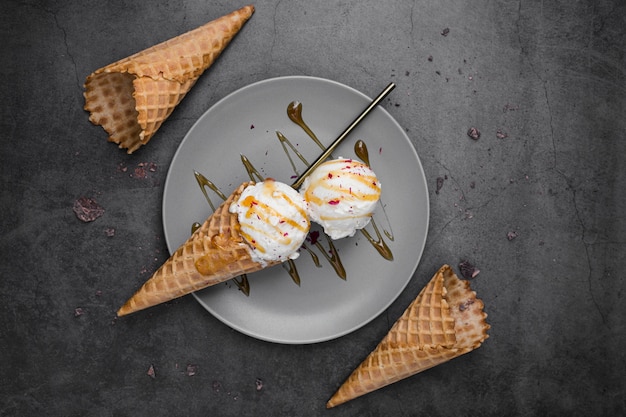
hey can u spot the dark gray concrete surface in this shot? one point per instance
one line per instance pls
(548, 74)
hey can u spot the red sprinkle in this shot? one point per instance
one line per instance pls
(333, 202)
(330, 175)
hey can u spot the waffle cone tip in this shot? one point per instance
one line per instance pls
(445, 321)
(214, 253)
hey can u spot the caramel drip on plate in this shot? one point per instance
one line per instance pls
(251, 170)
(294, 112)
(314, 257)
(285, 142)
(360, 149)
(205, 183)
(379, 244)
(333, 257)
(290, 267)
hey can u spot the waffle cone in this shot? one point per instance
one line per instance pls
(214, 253)
(132, 97)
(445, 321)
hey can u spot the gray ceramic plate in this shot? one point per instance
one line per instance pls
(323, 306)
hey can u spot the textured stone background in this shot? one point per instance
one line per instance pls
(549, 75)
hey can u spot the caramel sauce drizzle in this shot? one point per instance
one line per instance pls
(251, 170)
(333, 257)
(379, 244)
(205, 183)
(285, 142)
(294, 112)
(314, 257)
(360, 149)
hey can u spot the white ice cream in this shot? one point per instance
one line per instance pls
(273, 220)
(342, 195)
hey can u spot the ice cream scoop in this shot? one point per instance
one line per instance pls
(272, 219)
(341, 196)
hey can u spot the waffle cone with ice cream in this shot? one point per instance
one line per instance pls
(132, 97)
(230, 243)
(445, 321)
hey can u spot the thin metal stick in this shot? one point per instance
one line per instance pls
(341, 137)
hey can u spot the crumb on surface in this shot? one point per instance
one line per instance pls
(191, 370)
(468, 271)
(87, 209)
(439, 184)
(473, 133)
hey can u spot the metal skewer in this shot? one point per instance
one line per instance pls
(341, 137)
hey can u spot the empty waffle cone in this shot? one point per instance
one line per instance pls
(132, 97)
(445, 321)
(214, 253)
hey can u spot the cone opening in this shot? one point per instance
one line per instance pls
(109, 97)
